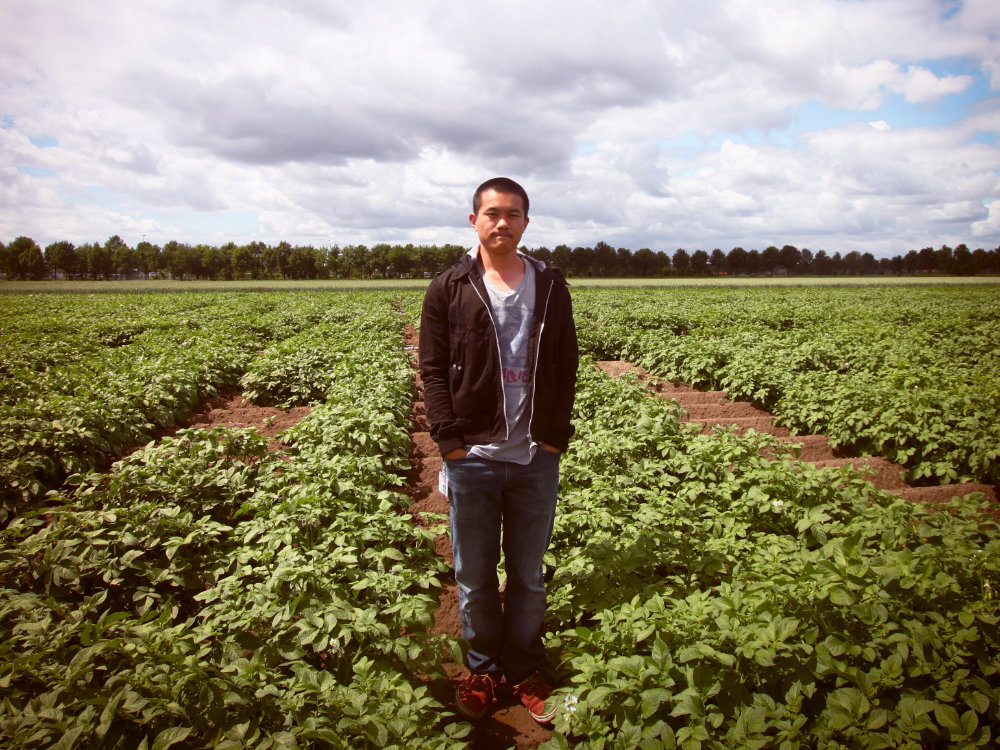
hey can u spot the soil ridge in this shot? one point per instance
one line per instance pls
(713, 409)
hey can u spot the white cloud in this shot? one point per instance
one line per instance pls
(373, 122)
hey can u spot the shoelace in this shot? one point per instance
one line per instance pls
(476, 681)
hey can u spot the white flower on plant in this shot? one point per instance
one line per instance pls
(570, 703)
(777, 505)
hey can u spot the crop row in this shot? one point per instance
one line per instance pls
(208, 592)
(86, 377)
(910, 374)
(703, 595)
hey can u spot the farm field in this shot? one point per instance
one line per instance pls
(166, 585)
(319, 285)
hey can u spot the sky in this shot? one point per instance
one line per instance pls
(835, 125)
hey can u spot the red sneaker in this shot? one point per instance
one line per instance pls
(475, 694)
(532, 693)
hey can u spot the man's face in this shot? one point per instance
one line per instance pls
(500, 221)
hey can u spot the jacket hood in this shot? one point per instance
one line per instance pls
(467, 263)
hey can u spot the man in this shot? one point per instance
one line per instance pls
(498, 358)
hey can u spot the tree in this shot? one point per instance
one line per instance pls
(737, 261)
(928, 260)
(193, 260)
(790, 258)
(23, 259)
(943, 258)
(146, 257)
(604, 260)
(122, 260)
(99, 261)
(402, 259)
(645, 262)
(754, 262)
(377, 263)
(682, 261)
(699, 262)
(662, 263)
(332, 262)
(770, 259)
(258, 250)
(178, 259)
(581, 262)
(353, 259)
(718, 261)
(562, 256)
(821, 264)
(215, 261)
(302, 263)
(807, 260)
(962, 263)
(427, 260)
(543, 254)
(61, 256)
(984, 262)
(280, 259)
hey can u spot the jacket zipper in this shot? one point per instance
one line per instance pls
(496, 337)
(538, 348)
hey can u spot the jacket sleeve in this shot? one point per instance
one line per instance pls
(567, 360)
(435, 361)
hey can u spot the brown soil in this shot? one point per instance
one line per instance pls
(230, 409)
(509, 724)
(713, 408)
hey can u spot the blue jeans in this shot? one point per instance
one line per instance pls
(484, 495)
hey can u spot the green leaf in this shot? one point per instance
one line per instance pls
(947, 717)
(652, 699)
(171, 736)
(846, 706)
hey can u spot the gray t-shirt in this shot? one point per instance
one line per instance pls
(513, 312)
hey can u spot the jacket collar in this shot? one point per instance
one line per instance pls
(468, 263)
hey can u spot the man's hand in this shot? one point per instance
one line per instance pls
(549, 448)
(457, 453)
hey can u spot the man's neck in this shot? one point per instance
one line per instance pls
(504, 271)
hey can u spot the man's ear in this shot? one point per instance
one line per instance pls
(472, 219)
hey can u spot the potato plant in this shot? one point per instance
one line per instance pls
(205, 592)
(92, 375)
(704, 596)
(706, 591)
(912, 374)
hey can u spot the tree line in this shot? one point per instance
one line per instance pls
(23, 258)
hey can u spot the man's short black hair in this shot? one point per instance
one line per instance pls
(502, 185)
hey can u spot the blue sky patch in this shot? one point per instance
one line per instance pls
(227, 223)
(36, 171)
(45, 141)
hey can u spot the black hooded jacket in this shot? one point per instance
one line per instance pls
(460, 359)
